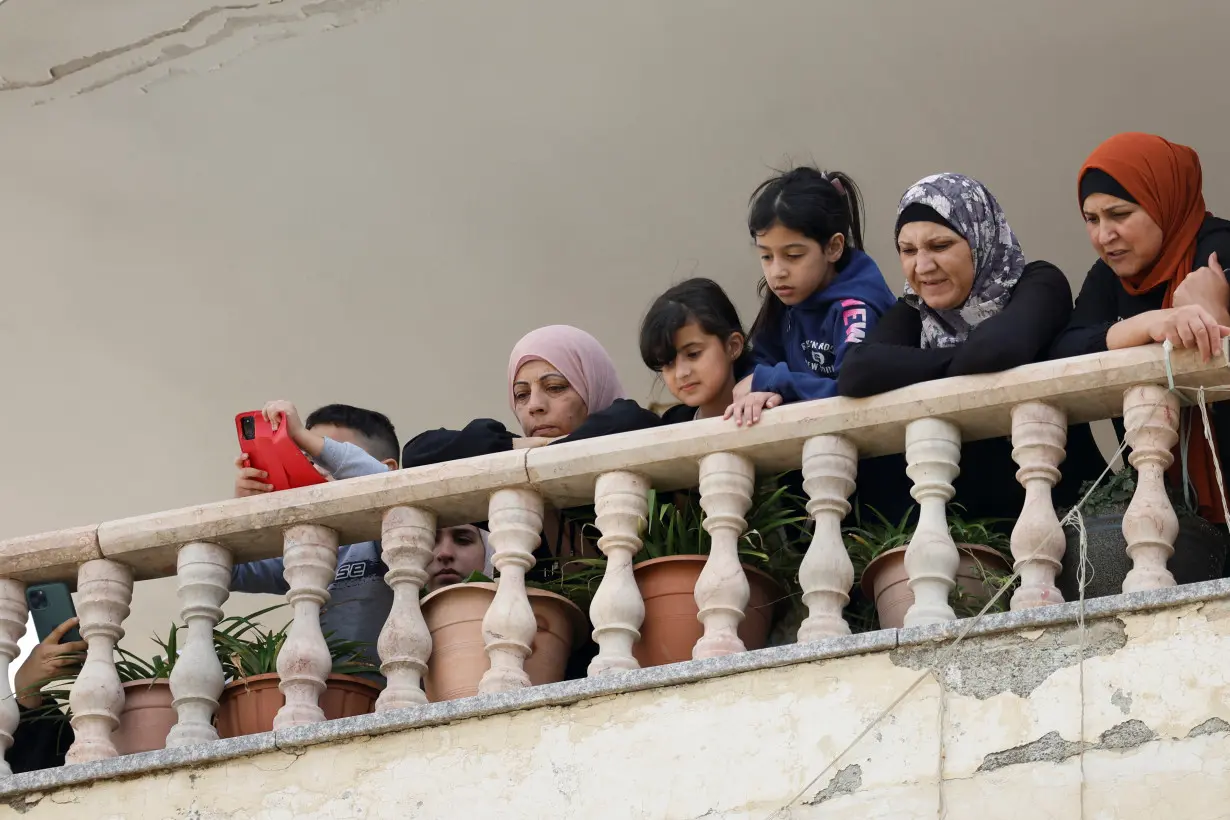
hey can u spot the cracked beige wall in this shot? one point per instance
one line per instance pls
(1147, 726)
(206, 206)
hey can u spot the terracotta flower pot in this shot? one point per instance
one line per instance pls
(454, 614)
(885, 581)
(248, 706)
(147, 717)
(672, 628)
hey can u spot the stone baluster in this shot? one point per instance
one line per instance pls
(515, 517)
(407, 541)
(933, 455)
(1039, 435)
(310, 563)
(104, 593)
(1150, 526)
(13, 616)
(204, 575)
(726, 483)
(621, 501)
(830, 464)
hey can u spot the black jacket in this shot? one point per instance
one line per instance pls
(485, 436)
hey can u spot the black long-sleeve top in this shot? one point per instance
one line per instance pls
(1103, 301)
(892, 355)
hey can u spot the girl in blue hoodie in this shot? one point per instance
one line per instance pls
(820, 292)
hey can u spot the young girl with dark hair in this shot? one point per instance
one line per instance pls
(821, 292)
(692, 336)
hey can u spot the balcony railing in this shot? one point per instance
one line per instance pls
(929, 422)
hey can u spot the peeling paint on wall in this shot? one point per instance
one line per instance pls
(984, 667)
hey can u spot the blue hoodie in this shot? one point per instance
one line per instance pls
(801, 356)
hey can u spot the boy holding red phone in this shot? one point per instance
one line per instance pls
(348, 442)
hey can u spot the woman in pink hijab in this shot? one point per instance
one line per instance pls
(558, 376)
(562, 385)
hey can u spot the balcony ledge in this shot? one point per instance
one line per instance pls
(18, 790)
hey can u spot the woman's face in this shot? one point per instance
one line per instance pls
(701, 373)
(1124, 235)
(545, 403)
(938, 264)
(796, 266)
(458, 554)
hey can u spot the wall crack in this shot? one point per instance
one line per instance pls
(176, 43)
(1052, 748)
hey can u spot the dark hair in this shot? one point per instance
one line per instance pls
(695, 300)
(819, 205)
(372, 426)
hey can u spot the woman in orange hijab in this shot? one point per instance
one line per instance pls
(1159, 275)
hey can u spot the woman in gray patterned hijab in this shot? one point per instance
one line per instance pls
(971, 305)
(958, 286)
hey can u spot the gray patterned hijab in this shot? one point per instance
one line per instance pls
(998, 261)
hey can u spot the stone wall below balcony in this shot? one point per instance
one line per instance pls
(1010, 735)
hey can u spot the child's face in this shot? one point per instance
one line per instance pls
(459, 553)
(701, 372)
(796, 266)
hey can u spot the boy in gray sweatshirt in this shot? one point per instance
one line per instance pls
(347, 442)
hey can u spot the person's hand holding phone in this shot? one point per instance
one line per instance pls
(249, 480)
(304, 439)
(47, 660)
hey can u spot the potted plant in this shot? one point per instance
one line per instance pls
(877, 550)
(251, 699)
(148, 715)
(454, 616)
(1199, 549)
(676, 547)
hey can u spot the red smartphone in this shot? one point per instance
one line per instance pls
(274, 452)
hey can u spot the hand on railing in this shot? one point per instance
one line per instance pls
(748, 404)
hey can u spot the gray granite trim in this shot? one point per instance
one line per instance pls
(560, 694)
(613, 683)
(138, 764)
(1069, 613)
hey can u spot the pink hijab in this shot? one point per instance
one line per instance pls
(577, 356)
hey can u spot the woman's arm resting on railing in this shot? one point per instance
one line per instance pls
(890, 357)
(1095, 312)
(1039, 310)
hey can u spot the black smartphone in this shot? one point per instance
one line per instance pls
(51, 605)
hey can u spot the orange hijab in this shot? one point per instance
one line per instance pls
(1165, 179)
